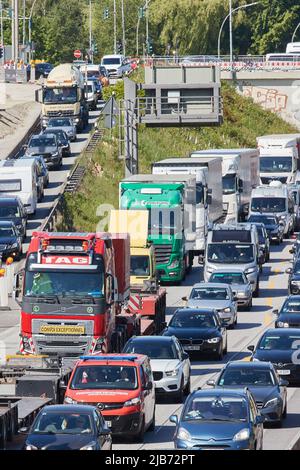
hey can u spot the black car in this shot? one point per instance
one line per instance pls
(42, 69)
(68, 427)
(289, 315)
(10, 241)
(62, 138)
(281, 347)
(47, 146)
(274, 227)
(199, 331)
(294, 278)
(12, 210)
(263, 240)
(268, 390)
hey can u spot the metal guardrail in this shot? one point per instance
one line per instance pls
(188, 105)
(13, 75)
(14, 154)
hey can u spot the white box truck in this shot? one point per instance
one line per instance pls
(20, 178)
(279, 158)
(208, 173)
(240, 174)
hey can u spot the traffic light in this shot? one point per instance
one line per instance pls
(94, 47)
(106, 13)
(120, 47)
(141, 12)
(1, 52)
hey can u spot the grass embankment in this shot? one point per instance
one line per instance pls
(243, 122)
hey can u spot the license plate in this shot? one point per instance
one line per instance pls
(283, 372)
(192, 348)
(62, 330)
(108, 424)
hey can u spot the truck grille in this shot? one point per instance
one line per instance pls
(62, 345)
(163, 253)
(65, 112)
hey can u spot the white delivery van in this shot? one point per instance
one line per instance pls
(293, 48)
(279, 157)
(20, 178)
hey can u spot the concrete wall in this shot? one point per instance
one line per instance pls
(277, 91)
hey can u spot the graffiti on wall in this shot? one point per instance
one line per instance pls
(269, 98)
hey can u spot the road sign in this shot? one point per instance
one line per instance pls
(77, 54)
(109, 112)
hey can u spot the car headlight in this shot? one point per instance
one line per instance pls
(70, 401)
(272, 402)
(241, 294)
(213, 340)
(183, 434)
(174, 264)
(91, 446)
(283, 324)
(242, 435)
(227, 310)
(172, 373)
(250, 270)
(14, 245)
(133, 402)
(30, 447)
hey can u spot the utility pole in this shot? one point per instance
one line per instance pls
(1, 23)
(230, 32)
(24, 23)
(147, 27)
(91, 33)
(123, 27)
(115, 27)
(15, 30)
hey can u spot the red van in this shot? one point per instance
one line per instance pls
(121, 386)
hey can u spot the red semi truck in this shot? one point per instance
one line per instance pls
(75, 292)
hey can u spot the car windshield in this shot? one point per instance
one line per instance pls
(262, 219)
(7, 232)
(280, 343)
(229, 184)
(112, 377)
(229, 278)
(209, 293)
(60, 123)
(244, 377)
(192, 319)
(139, 265)
(216, 409)
(65, 284)
(276, 164)
(62, 423)
(227, 253)
(9, 212)
(61, 137)
(43, 141)
(154, 350)
(291, 306)
(268, 204)
(60, 95)
(111, 61)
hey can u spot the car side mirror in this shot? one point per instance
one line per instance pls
(283, 383)
(275, 312)
(211, 383)
(184, 298)
(173, 419)
(185, 355)
(289, 271)
(260, 419)
(209, 200)
(251, 348)
(292, 250)
(24, 430)
(148, 386)
(62, 385)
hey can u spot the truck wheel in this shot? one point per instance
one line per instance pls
(3, 434)
(139, 437)
(152, 425)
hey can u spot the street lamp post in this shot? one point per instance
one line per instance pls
(30, 29)
(123, 27)
(230, 32)
(91, 33)
(295, 32)
(115, 27)
(224, 21)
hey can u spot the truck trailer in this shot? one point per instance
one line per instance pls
(208, 173)
(171, 202)
(240, 169)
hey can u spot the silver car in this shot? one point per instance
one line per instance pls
(239, 283)
(216, 296)
(64, 124)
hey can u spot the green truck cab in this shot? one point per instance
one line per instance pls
(169, 228)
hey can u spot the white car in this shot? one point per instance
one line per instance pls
(91, 95)
(170, 365)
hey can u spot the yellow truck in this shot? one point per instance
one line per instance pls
(147, 297)
(63, 94)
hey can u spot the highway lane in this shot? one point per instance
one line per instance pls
(251, 325)
(9, 319)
